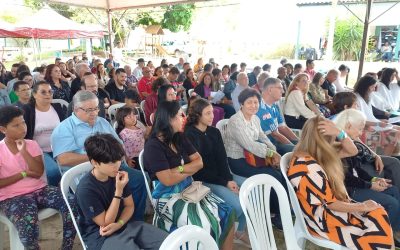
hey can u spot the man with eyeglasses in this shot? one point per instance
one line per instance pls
(271, 119)
(144, 84)
(23, 91)
(69, 136)
(89, 82)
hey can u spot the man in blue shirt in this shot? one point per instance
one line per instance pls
(69, 136)
(271, 119)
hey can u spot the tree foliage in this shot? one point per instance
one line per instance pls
(347, 39)
(178, 17)
(62, 9)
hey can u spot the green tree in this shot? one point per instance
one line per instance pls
(178, 17)
(62, 9)
(347, 39)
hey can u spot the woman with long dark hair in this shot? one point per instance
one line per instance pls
(215, 173)
(61, 89)
(171, 161)
(388, 90)
(42, 117)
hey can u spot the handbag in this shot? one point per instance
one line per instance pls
(255, 161)
(195, 192)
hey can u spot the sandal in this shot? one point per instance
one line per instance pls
(240, 238)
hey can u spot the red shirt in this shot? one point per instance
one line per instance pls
(144, 85)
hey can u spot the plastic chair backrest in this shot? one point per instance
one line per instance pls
(254, 198)
(142, 104)
(184, 108)
(221, 126)
(69, 181)
(63, 103)
(300, 225)
(112, 110)
(145, 177)
(190, 91)
(189, 237)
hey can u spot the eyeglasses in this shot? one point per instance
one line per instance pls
(90, 110)
(44, 92)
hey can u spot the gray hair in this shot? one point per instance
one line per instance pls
(79, 67)
(83, 96)
(262, 76)
(269, 82)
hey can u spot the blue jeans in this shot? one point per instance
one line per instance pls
(231, 199)
(139, 192)
(242, 168)
(389, 199)
(52, 170)
(282, 148)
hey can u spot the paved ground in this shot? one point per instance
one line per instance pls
(52, 236)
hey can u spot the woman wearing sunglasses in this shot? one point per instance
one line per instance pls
(42, 117)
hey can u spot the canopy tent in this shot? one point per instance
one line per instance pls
(48, 24)
(111, 5)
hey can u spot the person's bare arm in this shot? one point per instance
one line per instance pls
(288, 133)
(71, 159)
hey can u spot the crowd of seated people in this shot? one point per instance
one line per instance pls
(343, 143)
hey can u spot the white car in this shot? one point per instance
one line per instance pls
(177, 48)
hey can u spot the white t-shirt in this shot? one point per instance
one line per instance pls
(45, 123)
(389, 97)
(366, 108)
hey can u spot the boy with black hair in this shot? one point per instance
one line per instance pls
(105, 203)
(23, 187)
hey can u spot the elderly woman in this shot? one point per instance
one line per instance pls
(42, 117)
(171, 161)
(318, 96)
(297, 104)
(244, 139)
(61, 89)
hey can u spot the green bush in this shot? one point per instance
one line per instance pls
(347, 39)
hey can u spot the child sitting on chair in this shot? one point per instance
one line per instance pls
(105, 203)
(23, 187)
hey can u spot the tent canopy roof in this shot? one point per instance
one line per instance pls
(121, 4)
(48, 24)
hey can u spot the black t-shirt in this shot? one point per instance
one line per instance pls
(93, 197)
(330, 87)
(211, 148)
(75, 86)
(115, 93)
(158, 156)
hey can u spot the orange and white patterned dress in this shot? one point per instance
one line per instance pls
(353, 230)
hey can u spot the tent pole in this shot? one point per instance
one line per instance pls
(365, 38)
(110, 34)
(34, 50)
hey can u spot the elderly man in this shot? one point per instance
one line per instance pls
(117, 89)
(80, 69)
(283, 76)
(69, 136)
(180, 64)
(89, 82)
(242, 83)
(260, 81)
(131, 80)
(271, 118)
(144, 84)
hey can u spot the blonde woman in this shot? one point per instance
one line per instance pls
(317, 176)
(362, 171)
(297, 104)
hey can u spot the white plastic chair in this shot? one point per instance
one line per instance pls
(15, 242)
(184, 108)
(300, 226)
(145, 178)
(63, 103)
(254, 198)
(222, 126)
(112, 110)
(189, 237)
(69, 182)
(142, 104)
(190, 91)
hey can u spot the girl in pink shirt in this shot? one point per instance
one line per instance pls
(132, 134)
(23, 186)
